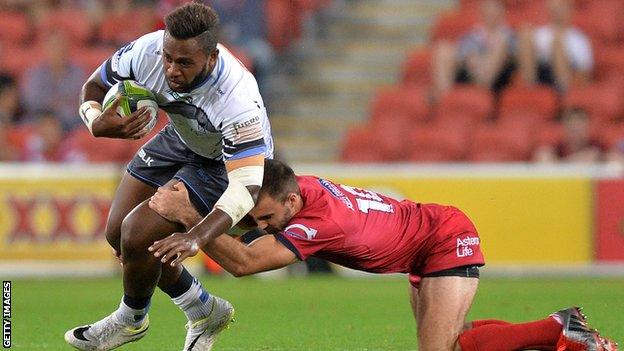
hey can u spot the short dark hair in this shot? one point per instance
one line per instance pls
(279, 180)
(194, 20)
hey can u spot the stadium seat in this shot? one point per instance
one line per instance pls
(609, 63)
(99, 150)
(501, 142)
(549, 133)
(283, 23)
(16, 59)
(452, 25)
(417, 68)
(522, 12)
(408, 104)
(17, 137)
(438, 142)
(91, 57)
(603, 102)
(534, 101)
(602, 20)
(360, 146)
(73, 22)
(612, 135)
(14, 27)
(465, 104)
(135, 23)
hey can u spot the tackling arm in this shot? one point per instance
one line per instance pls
(264, 254)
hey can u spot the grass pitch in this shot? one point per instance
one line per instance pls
(320, 313)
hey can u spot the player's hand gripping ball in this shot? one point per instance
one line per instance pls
(133, 97)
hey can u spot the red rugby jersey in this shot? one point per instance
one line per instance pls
(364, 230)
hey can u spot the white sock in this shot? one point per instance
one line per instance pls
(130, 316)
(196, 303)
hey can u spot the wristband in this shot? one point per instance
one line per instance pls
(89, 111)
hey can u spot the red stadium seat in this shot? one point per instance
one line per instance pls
(134, 23)
(360, 146)
(602, 20)
(408, 104)
(549, 133)
(438, 142)
(501, 142)
(609, 62)
(91, 57)
(452, 25)
(601, 101)
(283, 23)
(535, 101)
(99, 150)
(17, 137)
(417, 68)
(612, 135)
(14, 27)
(466, 105)
(16, 60)
(73, 22)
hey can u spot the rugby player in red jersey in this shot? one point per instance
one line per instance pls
(436, 245)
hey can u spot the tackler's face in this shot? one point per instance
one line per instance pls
(273, 215)
(185, 63)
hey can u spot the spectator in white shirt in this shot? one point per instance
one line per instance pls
(556, 54)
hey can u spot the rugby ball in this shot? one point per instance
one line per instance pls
(133, 97)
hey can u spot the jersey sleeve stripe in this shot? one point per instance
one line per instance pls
(248, 152)
(282, 239)
(103, 75)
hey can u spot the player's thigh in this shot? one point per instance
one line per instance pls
(442, 303)
(130, 193)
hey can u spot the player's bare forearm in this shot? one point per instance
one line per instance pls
(93, 89)
(264, 254)
(214, 224)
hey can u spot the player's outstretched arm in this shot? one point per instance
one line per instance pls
(108, 123)
(264, 254)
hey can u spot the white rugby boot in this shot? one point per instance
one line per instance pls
(201, 334)
(105, 334)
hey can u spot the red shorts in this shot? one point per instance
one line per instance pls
(454, 243)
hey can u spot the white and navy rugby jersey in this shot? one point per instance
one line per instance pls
(222, 118)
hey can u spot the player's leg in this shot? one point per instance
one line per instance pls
(563, 330)
(130, 193)
(440, 310)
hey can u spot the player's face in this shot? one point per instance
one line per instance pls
(273, 215)
(185, 63)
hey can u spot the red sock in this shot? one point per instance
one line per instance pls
(539, 335)
(479, 323)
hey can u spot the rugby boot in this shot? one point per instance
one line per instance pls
(576, 334)
(201, 334)
(106, 334)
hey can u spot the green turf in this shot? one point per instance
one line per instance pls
(325, 313)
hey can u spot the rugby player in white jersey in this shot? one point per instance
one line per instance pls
(215, 143)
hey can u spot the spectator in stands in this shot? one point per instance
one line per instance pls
(577, 145)
(484, 56)
(9, 100)
(556, 54)
(54, 84)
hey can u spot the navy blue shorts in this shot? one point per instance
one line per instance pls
(165, 157)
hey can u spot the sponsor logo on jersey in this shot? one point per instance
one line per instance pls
(464, 246)
(242, 126)
(333, 189)
(310, 233)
